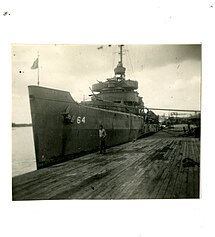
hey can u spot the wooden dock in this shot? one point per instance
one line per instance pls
(165, 165)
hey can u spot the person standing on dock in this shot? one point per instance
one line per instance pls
(188, 126)
(102, 136)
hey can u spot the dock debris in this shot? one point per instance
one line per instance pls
(187, 162)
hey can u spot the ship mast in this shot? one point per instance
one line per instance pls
(120, 70)
(120, 46)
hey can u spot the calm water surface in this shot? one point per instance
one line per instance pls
(23, 155)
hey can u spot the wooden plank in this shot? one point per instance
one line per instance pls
(70, 184)
(148, 169)
(190, 155)
(168, 174)
(36, 188)
(121, 179)
(106, 187)
(174, 170)
(161, 176)
(196, 169)
(101, 186)
(149, 172)
(178, 181)
(184, 176)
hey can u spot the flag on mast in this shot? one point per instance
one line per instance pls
(35, 64)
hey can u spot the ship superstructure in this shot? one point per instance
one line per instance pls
(117, 92)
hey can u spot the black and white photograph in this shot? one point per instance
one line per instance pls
(107, 118)
(106, 121)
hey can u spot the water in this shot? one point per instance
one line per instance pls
(23, 155)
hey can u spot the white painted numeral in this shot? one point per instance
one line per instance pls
(80, 120)
(83, 120)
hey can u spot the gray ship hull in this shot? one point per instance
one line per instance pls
(64, 129)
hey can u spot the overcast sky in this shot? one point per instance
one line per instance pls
(169, 76)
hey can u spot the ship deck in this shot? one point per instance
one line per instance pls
(154, 167)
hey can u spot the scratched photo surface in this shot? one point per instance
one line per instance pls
(106, 121)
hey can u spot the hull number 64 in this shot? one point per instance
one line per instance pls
(81, 120)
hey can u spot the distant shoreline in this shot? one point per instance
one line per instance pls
(21, 125)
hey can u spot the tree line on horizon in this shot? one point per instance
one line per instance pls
(21, 124)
